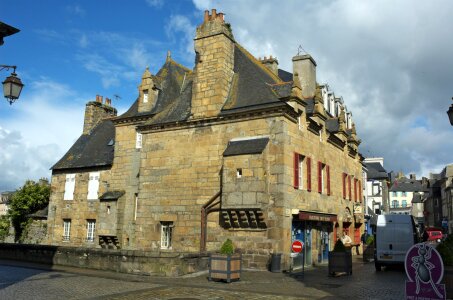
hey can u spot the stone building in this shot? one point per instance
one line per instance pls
(402, 193)
(235, 148)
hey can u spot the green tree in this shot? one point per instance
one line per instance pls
(28, 199)
(4, 227)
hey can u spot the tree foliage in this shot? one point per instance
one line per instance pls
(31, 197)
(4, 227)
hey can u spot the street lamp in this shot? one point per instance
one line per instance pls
(12, 86)
(450, 113)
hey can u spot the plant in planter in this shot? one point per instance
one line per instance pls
(445, 249)
(340, 259)
(227, 265)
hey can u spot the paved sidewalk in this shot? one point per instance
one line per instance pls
(364, 283)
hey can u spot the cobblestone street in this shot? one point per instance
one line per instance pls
(19, 281)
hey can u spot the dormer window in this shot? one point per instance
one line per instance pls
(145, 96)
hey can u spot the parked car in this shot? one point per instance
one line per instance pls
(432, 235)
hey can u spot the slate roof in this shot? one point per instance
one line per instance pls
(332, 125)
(285, 76)
(111, 195)
(375, 171)
(251, 146)
(417, 198)
(404, 184)
(254, 86)
(90, 150)
(173, 81)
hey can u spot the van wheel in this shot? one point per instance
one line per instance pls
(377, 266)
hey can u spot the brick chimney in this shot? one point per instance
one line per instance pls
(96, 111)
(214, 62)
(305, 67)
(271, 63)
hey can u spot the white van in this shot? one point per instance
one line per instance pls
(394, 235)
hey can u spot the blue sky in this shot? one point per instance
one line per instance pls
(391, 63)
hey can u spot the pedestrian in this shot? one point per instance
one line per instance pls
(364, 237)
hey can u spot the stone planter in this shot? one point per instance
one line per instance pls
(448, 281)
(225, 267)
(340, 262)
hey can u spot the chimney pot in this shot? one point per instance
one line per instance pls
(206, 15)
(101, 99)
(214, 14)
(221, 17)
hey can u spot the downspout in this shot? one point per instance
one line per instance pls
(205, 210)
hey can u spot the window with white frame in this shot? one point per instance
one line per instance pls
(145, 96)
(91, 227)
(138, 141)
(166, 234)
(93, 185)
(300, 122)
(69, 187)
(66, 229)
(301, 171)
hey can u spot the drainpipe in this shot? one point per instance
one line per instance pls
(205, 210)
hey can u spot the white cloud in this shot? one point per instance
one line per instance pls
(391, 62)
(182, 24)
(37, 131)
(155, 3)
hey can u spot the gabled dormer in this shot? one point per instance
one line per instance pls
(148, 92)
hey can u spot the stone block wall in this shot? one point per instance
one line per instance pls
(134, 262)
(78, 210)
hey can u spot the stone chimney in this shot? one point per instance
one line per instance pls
(214, 62)
(95, 112)
(413, 176)
(271, 63)
(305, 67)
(147, 92)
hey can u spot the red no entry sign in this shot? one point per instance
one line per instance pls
(297, 246)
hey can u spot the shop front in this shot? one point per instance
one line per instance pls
(315, 230)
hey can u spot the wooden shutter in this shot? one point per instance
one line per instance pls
(344, 185)
(360, 191)
(355, 189)
(309, 174)
(350, 187)
(319, 177)
(296, 170)
(328, 179)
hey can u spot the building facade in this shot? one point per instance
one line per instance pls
(235, 148)
(402, 192)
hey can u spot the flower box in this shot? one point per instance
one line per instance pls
(340, 262)
(225, 267)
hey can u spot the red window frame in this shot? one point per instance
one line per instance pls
(308, 174)
(319, 177)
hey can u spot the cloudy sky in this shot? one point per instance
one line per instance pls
(391, 61)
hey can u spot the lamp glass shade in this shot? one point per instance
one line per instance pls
(12, 86)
